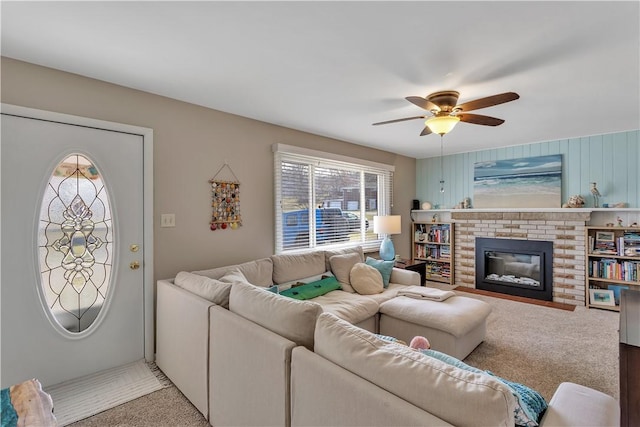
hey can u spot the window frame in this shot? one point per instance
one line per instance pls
(286, 153)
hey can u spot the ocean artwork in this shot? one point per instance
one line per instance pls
(530, 182)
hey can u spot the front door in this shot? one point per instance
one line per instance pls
(72, 293)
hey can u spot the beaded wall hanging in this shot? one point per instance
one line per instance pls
(225, 196)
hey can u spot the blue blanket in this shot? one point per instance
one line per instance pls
(8, 414)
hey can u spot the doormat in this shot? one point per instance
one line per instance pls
(83, 397)
(558, 305)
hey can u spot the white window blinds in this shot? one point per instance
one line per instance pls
(326, 200)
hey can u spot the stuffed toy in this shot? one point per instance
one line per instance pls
(420, 343)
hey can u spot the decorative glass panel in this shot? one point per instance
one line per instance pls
(75, 240)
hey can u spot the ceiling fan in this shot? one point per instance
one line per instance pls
(446, 112)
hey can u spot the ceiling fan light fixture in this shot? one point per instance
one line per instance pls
(442, 124)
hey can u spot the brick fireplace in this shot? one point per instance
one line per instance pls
(566, 229)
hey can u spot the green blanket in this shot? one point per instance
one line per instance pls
(313, 289)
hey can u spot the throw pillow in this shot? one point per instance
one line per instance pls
(341, 266)
(366, 280)
(212, 290)
(329, 253)
(313, 289)
(530, 405)
(384, 267)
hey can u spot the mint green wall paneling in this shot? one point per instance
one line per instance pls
(563, 148)
(583, 186)
(618, 181)
(516, 152)
(610, 160)
(633, 163)
(595, 168)
(451, 186)
(607, 170)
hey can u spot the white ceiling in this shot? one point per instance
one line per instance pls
(334, 68)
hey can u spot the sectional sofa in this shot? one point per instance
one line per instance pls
(246, 356)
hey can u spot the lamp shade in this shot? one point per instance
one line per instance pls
(387, 224)
(442, 124)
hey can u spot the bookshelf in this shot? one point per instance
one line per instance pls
(613, 264)
(433, 243)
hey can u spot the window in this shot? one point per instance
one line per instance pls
(344, 194)
(75, 243)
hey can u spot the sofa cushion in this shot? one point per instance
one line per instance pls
(293, 267)
(365, 279)
(258, 272)
(313, 289)
(234, 276)
(341, 266)
(351, 307)
(384, 267)
(459, 397)
(292, 319)
(212, 290)
(329, 253)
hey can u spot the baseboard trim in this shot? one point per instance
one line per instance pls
(558, 305)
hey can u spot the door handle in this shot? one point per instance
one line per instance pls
(134, 265)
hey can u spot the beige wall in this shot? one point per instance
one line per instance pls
(190, 144)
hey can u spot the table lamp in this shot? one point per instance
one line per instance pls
(387, 225)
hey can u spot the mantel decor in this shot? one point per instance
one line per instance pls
(225, 195)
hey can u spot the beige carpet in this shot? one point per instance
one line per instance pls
(163, 408)
(534, 345)
(542, 347)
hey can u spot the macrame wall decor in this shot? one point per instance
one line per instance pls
(225, 195)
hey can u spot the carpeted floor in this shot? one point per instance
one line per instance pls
(164, 408)
(542, 347)
(534, 345)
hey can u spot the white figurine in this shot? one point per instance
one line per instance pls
(596, 195)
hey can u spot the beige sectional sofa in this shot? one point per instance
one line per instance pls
(252, 357)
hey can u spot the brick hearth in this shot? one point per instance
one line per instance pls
(565, 229)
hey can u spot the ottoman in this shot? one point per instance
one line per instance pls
(454, 326)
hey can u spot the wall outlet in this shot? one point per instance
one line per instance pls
(168, 220)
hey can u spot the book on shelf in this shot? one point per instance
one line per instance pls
(614, 269)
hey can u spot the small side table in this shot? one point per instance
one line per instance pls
(414, 265)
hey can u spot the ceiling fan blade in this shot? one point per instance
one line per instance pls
(425, 131)
(399, 120)
(489, 101)
(478, 119)
(422, 103)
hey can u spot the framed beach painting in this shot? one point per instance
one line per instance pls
(530, 182)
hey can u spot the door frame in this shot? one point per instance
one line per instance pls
(147, 204)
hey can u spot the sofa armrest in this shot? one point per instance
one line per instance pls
(182, 341)
(574, 405)
(405, 277)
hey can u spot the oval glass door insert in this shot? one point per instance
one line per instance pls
(75, 244)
